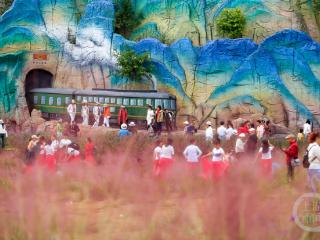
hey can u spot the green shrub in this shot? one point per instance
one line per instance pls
(134, 66)
(231, 23)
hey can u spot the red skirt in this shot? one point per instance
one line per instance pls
(266, 167)
(164, 165)
(90, 159)
(215, 170)
(51, 162)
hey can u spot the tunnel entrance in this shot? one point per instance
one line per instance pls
(36, 78)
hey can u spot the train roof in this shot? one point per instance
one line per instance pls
(106, 92)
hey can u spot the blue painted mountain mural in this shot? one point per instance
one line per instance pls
(278, 77)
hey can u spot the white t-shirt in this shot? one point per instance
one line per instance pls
(230, 133)
(64, 142)
(55, 144)
(260, 131)
(239, 146)
(209, 133)
(72, 108)
(217, 154)
(167, 152)
(150, 116)
(267, 155)
(222, 132)
(73, 152)
(306, 129)
(314, 156)
(157, 153)
(49, 150)
(192, 153)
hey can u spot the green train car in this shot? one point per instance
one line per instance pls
(53, 102)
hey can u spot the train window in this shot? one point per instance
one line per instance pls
(51, 100)
(43, 100)
(84, 99)
(101, 100)
(140, 102)
(90, 99)
(133, 102)
(112, 109)
(78, 98)
(107, 100)
(67, 100)
(149, 101)
(35, 99)
(96, 99)
(59, 101)
(113, 100)
(119, 101)
(158, 102)
(126, 101)
(166, 103)
(173, 104)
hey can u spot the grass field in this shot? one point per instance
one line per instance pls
(120, 198)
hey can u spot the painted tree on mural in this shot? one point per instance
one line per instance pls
(231, 23)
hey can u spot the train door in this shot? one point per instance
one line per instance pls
(36, 78)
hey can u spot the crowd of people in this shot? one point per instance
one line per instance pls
(250, 139)
(156, 119)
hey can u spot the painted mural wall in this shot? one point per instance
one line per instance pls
(277, 75)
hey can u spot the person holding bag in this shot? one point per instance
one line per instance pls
(313, 157)
(291, 156)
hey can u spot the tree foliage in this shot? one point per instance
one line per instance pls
(5, 5)
(125, 18)
(134, 66)
(231, 23)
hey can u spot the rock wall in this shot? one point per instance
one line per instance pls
(195, 19)
(277, 78)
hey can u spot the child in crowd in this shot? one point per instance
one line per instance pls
(217, 165)
(156, 157)
(265, 156)
(166, 157)
(192, 153)
(300, 136)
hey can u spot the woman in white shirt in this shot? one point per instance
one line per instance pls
(209, 132)
(240, 146)
(307, 129)
(265, 156)
(3, 133)
(156, 157)
(230, 130)
(166, 157)
(217, 165)
(314, 160)
(150, 116)
(50, 156)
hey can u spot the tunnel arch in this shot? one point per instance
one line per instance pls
(36, 78)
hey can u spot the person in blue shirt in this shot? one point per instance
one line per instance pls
(123, 132)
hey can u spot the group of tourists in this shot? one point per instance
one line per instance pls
(155, 119)
(51, 152)
(251, 144)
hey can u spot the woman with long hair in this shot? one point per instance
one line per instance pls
(265, 156)
(166, 157)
